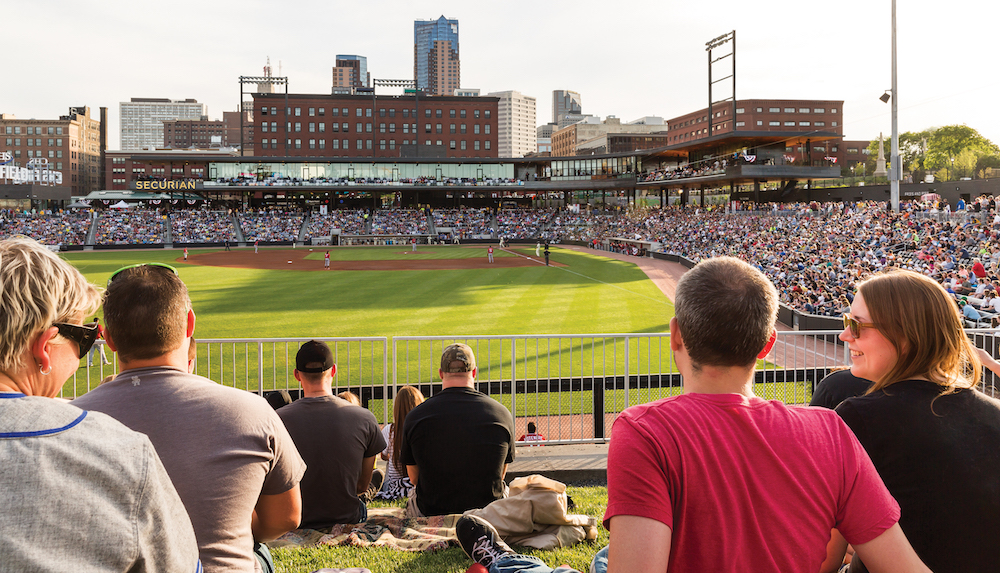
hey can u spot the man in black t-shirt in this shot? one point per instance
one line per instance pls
(457, 444)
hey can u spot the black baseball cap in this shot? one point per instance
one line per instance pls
(312, 353)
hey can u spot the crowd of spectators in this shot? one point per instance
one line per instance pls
(129, 227)
(281, 180)
(465, 223)
(350, 222)
(47, 227)
(399, 222)
(523, 223)
(270, 226)
(201, 227)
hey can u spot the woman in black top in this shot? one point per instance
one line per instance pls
(934, 438)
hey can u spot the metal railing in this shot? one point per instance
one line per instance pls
(572, 386)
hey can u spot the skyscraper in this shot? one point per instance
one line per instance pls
(351, 71)
(142, 119)
(565, 102)
(435, 55)
(516, 135)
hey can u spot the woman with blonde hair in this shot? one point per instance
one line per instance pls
(933, 437)
(79, 490)
(397, 485)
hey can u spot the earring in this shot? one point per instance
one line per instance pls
(44, 372)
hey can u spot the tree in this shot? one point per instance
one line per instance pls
(948, 142)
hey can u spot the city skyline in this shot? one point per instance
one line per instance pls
(645, 58)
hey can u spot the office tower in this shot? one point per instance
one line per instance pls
(435, 55)
(565, 102)
(72, 145)
(351, 72)
(516, 135)
(142, 119)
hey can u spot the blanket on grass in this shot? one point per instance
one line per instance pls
(385, 527)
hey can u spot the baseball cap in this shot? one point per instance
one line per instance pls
(458, 358)
(314, 352)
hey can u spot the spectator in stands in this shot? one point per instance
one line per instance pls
(397, 484)
(337, 440)
(532, 435)
(837, 387)
(457, 444)
(79, 491)
(932, 435)
(226, 451)
(700, 481)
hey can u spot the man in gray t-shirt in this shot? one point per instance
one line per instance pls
(338, 440)
(226, 451)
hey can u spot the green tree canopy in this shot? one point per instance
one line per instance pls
(956, 150)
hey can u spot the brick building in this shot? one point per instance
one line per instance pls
(756, 115)
(73, 144)
(341, 125)
(205, 133)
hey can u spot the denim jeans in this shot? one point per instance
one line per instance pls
(532, 564)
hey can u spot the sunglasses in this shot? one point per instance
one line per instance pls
(137, 265)
(854, 326)
(83, 335)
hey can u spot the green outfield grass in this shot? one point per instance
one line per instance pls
(591, 295)
(404, 252)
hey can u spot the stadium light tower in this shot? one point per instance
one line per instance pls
(896, 169)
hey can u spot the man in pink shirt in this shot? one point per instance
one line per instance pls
(717, 479)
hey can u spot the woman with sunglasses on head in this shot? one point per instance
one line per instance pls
(79, 491)
(934, 438)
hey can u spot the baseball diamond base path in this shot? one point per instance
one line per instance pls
(816, 353)
(272, 259)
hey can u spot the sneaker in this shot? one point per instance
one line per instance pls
(378, 476)
(480, 540)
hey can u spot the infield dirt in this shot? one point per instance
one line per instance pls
(271, 259)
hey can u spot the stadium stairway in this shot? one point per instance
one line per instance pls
(168, 234)
(238, 230)
(88, 242)
(304, 229)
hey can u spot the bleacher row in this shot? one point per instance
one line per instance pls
(814, 253)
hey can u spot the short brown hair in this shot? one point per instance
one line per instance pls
(37, 288)
(725, 310)
(918, 317)
(145, 309)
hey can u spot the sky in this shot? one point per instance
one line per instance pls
(628, 58)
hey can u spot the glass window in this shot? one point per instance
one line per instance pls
(343, 112)
(368, 144)
(368, 127)
(312, 112)
(346, 127)
(358, 144)
(368, 112)
(488, 112)
(263, 127)
(819, 110)
(789, 123)
(263, 111)
(427, 113)
(475, 145)
(334, 127)
(461, 113)
(437, 113)
(438, 128)
(392, 113)
(361, 128)
(298, 126)
(803, 124)
(462, 128)
(312, 144)
(475, 113)
(274, 144)
(381, 113)
(321, 111)
(274, 111)
(439, 142)
(833, 110)
(59, 131)
(334, 111)
(451, 114)
(322, 142)
(475, 129)
(334, 144)
(773, 109)
(789, 110)
(381, 144)
(322, 127)
(739, 110)
(298, 144)
(406, 128)
(833, 123)
(452, 128)
(298, 111)
(392, 128)
(463, 144)
(427, 128)
(381, 127)
(392, 144)
(803, 110)
(312, 127)
(486, 128)
(50, 131)
(740, 124)
(406, 113)
(451, 144)
(819, 123)
(486, 144)
(774, 123)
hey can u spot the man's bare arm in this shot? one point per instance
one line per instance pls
(835, 551)
(412, 472)
(276, 515)
(365, 478)
(638, 544)
(890, 552)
